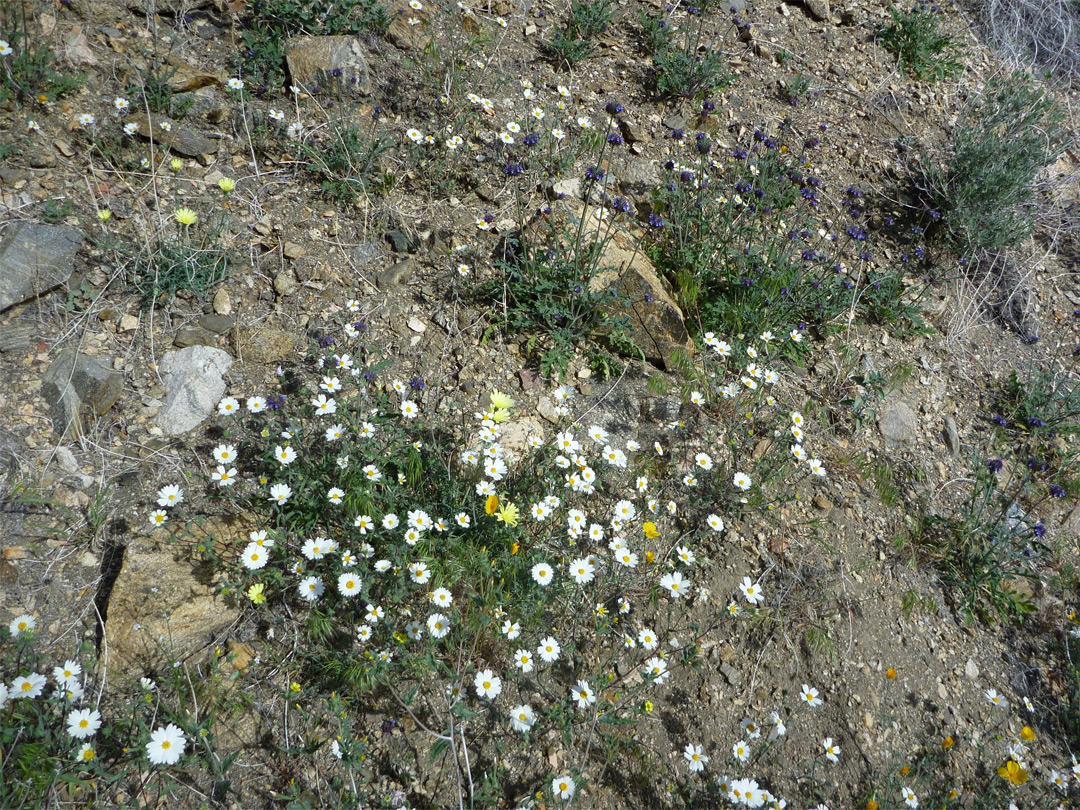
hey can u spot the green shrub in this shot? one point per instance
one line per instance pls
(919, 46)
(193, 262)
(155, 86)
(679, 68)
(1038, 420)
(588, 19)
(993, 540)
(346, 160)
(264, 50)
(547, 288)
(1047, 403)
(313, 17)
(795, 89)
(567, 50)
(985, 548)
(983, 188)
(743, 246)
(27, 72)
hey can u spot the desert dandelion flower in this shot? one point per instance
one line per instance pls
(185, 216)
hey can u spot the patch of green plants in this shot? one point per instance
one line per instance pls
(983, 187)
(312, 17)
(1068, 710)
(346, 160)
(10, 149)
(819, 639)
(55, 211)
(746, 252)
(264, 50)
(992, 543)
(919, 44)
(556, 288)
(796, 88)
(434, 573)
(680, 67)
(576, 40)
(81, 298)
(1038, 420)
(192, 263)
(987, 549)
(883, 480)
(27, 70)
(61, 743)
(1045, 404)
(155, 87)
(913, 603)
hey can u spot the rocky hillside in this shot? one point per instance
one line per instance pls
(612, 404)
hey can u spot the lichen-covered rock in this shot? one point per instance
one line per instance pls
(77, 387)
(193, 380)
(641, 301)
(35, 258)
(165, 604)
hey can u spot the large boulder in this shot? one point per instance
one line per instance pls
(76, 387)
(166, 604)
(641, 300)
(194, 386)
(179, 138)
(35, 258)
(331, 65)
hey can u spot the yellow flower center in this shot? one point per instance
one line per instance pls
(165, 745)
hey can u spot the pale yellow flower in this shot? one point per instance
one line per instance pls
(508, 514)
(185, 216)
